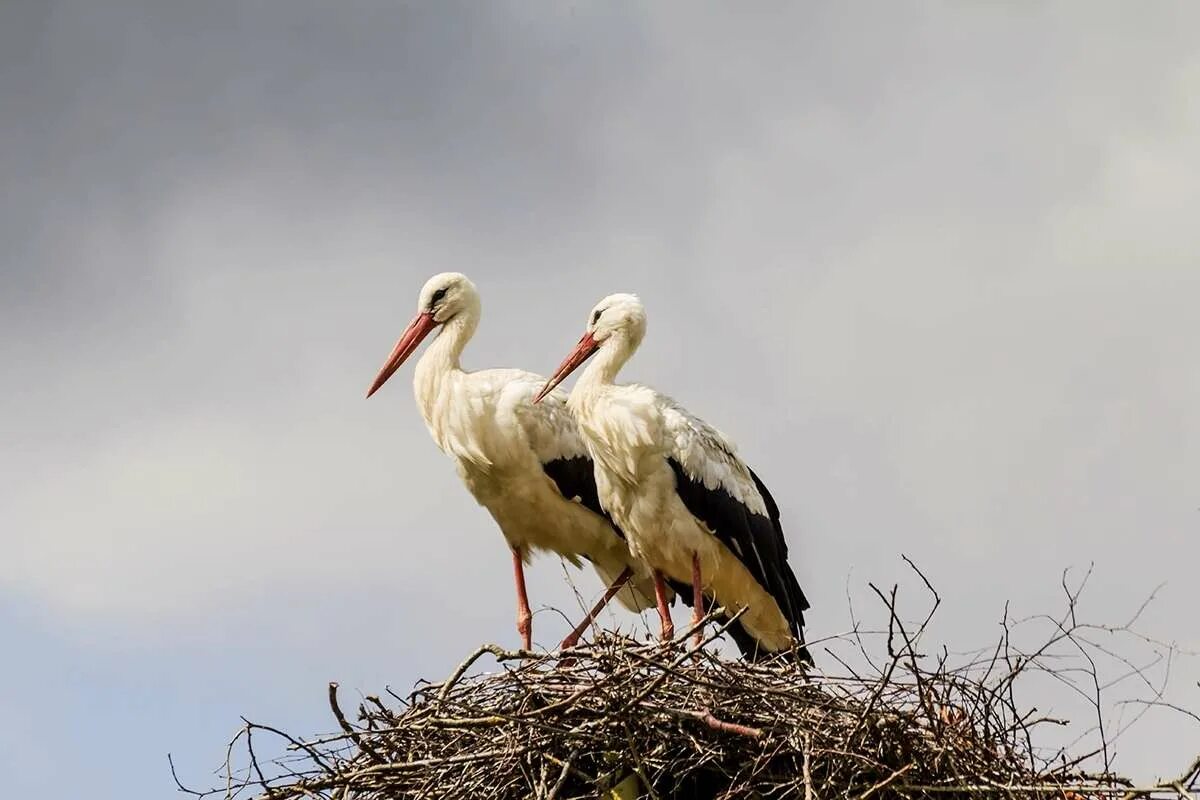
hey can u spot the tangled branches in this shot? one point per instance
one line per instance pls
(625, 719)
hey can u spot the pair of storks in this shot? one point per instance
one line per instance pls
(617, 474)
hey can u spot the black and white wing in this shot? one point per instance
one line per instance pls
(723, 493)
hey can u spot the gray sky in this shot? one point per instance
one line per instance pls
(933, 266)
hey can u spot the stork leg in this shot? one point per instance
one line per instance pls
(697, 600)
(524, 615)
(664, 614)
(573, 637)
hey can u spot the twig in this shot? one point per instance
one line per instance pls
(885, 781)
(350, 731)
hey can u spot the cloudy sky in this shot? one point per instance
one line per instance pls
(933, 266)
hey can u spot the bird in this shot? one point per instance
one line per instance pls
(526, 464)
(690, 507)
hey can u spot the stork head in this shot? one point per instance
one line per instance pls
(446, 295)
(617, 323)
(442, 298)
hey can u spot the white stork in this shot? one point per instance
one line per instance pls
(525, 464)
(689, 506)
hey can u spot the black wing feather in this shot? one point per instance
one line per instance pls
(756, 540)
(787, 578)
(576, 478)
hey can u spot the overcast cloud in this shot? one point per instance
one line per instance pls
(933, 266)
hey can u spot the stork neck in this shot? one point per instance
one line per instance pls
(453, 338)
(441, 358)
(603, 369)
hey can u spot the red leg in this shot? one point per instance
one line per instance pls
(573, 637)
(697, 599)
(664, 614)
(524, 615)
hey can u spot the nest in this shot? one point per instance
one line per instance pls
(622, 718)
(667, 724)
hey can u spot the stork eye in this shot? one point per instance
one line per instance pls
(596, 316)
(437, 296)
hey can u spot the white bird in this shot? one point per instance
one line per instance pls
(525, 463)
(689, 506)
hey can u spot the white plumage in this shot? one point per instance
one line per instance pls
(677, 488)
(516, 458)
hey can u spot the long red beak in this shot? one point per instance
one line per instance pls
(417, 330)
(587, 345)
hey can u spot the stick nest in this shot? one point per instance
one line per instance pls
(684, 724)
(621, 718)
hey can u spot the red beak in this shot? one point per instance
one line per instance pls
(417, 330)
(586, 347)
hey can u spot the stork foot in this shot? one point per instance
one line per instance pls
(664, 613)
(525, 628)
(573, 637)
(524, 615)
